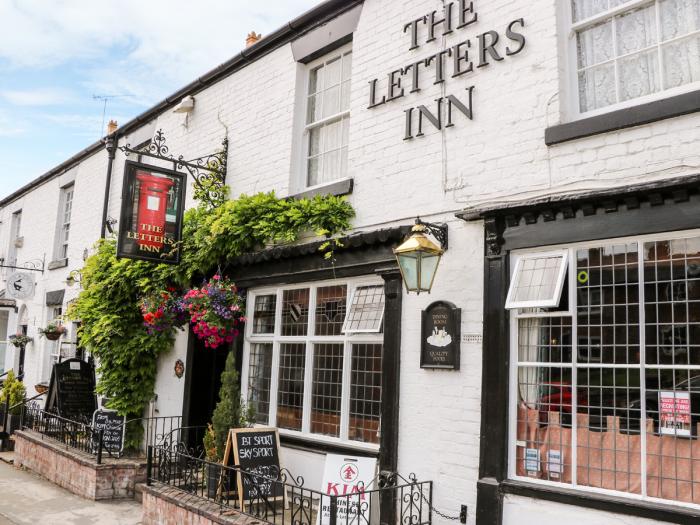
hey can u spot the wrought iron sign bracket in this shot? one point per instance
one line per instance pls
(208, 171)
(33, 265)
(439, 231)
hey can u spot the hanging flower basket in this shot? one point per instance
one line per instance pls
(20, 340)
(163, 311)
(53, 331)
(216, 311)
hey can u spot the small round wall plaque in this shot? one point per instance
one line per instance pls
(179, 368)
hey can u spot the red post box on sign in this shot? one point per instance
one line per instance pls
(153, 201)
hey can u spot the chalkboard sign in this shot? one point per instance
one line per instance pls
(112, 426)
(440, 336)
(72, 390)
(256, 450)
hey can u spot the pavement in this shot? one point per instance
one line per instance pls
(28, 499)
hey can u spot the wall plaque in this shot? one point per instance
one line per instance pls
(440, 336)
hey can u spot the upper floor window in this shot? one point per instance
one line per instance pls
(64, 215)
(629, 50)
(16, 239)
(327, 117)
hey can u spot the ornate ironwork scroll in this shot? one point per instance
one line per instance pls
(208, 171)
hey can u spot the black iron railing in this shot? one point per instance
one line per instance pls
(279, 498)
(73, 434)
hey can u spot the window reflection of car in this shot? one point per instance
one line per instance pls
(631, 423)
(556, 397)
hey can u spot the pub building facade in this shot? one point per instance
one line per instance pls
(559, 144)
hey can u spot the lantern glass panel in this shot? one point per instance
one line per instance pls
(409, 269)
(428, 267)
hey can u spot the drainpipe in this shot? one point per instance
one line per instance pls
(111, 145)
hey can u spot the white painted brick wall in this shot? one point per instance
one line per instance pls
(500, 156)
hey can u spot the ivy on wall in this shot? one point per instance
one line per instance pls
(108, 306)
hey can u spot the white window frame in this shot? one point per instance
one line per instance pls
(517, 315)
(568, 32)
(348, 340)
(65, 208)
(351, 301)
(15, 235)
(551, 302)
(345, 114)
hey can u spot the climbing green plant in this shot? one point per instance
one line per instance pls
(108, 307)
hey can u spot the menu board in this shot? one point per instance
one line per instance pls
(112, 426)
(256, 450)
(440, 336)
(72, 390)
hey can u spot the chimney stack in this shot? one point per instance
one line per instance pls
(252, 38)
(112, 127)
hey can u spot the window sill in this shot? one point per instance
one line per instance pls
(624, 118)
(603, 502)
(337, 188)
(317, 446)
(59, 263)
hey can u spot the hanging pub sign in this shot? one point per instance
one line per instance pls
(153, 201)
(440, 336)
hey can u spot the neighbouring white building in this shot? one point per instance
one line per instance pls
(560, 144)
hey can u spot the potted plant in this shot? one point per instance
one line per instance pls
(13, 390)
(20, 340)
(229, 413)
(53, 331)
(216, 311)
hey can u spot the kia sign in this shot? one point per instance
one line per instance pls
(153, 200)
(347, 476)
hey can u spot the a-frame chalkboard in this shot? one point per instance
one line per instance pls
(72, 390)
(257, 451)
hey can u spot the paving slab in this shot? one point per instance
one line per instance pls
(27, 499)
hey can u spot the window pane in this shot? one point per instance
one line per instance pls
(330, 309)
(315, 80)
(259, 374)
(365, 393)
(333, 71)
(290, 398)
(596, 87)
(366, 310)
(636, 30)
(583, 9)
(537, 279)
(608, 437)
(347, 66)
(264, 314)
(544, 423)
(607, 312)
(295, 312)
(331, 166)
(639, 75)
(678, 17)
(672, 310)
(544, 340)
(681, 62)
(595, 45)
(314, 141)
(313, 108)
(332, 135)
(327, 389)
(314, 169)
(331, 101)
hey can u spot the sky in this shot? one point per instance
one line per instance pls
(59, 59)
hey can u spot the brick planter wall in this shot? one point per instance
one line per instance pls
(76, 471)
(164, 505)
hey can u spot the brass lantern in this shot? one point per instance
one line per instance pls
(419, 256)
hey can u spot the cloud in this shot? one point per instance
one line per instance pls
(176, 38)
(9, 127)
(36, 97)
